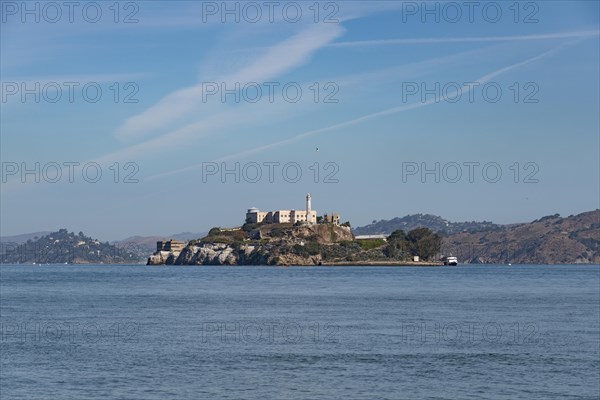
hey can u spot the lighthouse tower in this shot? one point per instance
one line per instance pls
(308, 205)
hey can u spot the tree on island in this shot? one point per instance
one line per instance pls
(420, 242)
(397, 247)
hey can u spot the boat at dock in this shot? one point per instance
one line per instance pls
(450, 260)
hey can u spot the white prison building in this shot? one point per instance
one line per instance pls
(255, 216)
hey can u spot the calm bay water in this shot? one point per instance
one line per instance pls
(137, 332)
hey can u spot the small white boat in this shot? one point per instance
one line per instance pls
(451, 260)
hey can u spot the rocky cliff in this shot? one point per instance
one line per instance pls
(272, 244)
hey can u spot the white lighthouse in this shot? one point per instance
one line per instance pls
(308, 205)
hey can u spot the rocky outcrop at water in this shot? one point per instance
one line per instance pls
(161, 257)
(274, 244)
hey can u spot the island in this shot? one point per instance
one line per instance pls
(299, 237)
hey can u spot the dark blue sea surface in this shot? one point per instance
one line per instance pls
(138, 332)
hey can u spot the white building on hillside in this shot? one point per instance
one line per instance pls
(255, 216)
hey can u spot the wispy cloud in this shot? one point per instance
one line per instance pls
(275, 61)
(405, 70)
(390, 111)
(478, 39)
(242, 116)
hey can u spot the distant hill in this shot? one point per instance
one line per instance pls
(433, 222)
(67, 247)
(139, 246)
(7, 242)
(186, 236)
(548, 240)
(19, 239)
(147, 244)
(143, 243)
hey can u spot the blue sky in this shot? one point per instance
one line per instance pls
(388, 89)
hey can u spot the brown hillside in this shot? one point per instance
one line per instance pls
(549, 240)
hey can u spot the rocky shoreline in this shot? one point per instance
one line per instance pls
(275, 244)
(221, 254)
(302, 245)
